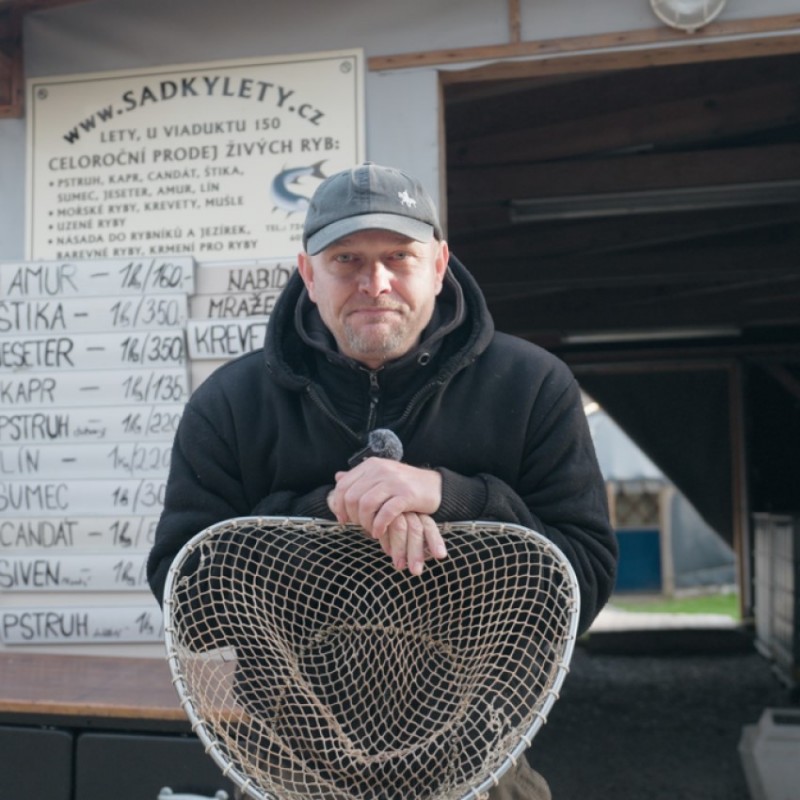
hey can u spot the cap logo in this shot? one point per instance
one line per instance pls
(406, 199)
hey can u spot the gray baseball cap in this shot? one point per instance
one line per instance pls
(365, 197)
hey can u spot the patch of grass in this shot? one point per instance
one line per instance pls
(724, 603)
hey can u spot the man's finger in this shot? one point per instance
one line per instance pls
(434, 540)
(397, 533)
(415, 544)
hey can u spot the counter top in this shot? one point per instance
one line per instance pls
(88, 686)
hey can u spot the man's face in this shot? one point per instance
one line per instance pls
(375, 291)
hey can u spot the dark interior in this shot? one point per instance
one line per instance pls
(643, 224)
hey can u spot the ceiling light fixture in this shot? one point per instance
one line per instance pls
(650, 335)
(687, 15)
(655, 201)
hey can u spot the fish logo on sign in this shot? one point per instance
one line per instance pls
(283, 189)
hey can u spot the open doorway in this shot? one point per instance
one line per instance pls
(642, 223)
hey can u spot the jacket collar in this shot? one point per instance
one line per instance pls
(459, 331)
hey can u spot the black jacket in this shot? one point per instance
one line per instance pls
(499, 417)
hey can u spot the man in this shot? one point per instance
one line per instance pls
(381, 327)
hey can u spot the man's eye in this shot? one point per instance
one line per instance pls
(343, 258)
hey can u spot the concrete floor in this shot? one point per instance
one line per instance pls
(656, 715)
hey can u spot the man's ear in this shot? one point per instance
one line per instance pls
(442, 259)
(306, 271)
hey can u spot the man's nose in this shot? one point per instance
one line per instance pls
(376, 279)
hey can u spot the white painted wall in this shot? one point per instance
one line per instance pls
(401, 107)
(12, 188)
(552, 19)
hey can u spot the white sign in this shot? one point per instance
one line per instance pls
(229, 291)
(74, 625)
(213, 160)
(58, 497)
(233, 306)
(93, 314)
(66, 533)
(123, 459)
(86, 351)
(78, 425)
(73, 573)
(216, 340)
(251, 276)
(65, 279)
(94, 388)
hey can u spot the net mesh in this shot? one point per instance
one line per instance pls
(310, 667)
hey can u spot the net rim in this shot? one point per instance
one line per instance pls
(209, 741)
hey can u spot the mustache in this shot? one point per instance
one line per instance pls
(379, 305)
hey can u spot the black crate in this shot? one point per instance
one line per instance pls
(35, 763)
(133, 767)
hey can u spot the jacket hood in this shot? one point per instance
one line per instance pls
(286, 349)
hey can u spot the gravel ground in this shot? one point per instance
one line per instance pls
(648, 717)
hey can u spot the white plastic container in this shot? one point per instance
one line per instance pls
(770, 753)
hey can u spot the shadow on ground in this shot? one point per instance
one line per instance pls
(656, 717)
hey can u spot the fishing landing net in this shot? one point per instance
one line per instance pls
(311, 668)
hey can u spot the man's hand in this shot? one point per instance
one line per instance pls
(411, 539)
(393, 502)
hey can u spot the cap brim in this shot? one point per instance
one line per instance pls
(405, 226)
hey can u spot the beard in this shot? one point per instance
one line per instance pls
(378, 341)
(385, 337)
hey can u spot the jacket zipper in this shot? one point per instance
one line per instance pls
(374, 399)
(328, 412)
